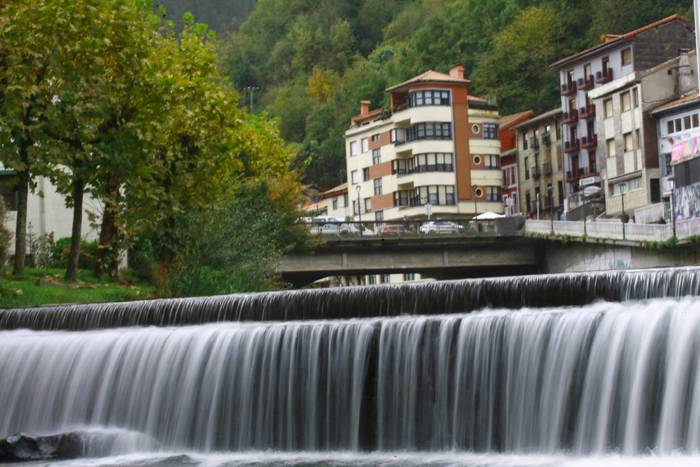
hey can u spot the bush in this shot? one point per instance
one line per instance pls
(142, 260)
(60, 251)
(5, 237)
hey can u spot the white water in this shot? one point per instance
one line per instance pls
(607, 384)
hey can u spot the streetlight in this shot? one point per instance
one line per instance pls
(251, 90)
(537, 205)
(359, 208)
(623, 186)
(476, 209)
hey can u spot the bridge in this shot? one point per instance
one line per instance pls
(478, 249)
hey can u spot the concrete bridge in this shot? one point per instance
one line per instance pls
(439, 257)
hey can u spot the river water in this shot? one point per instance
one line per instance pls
(606, 383)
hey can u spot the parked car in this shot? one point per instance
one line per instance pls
(441, 227)
(354, 229)
(395, 229)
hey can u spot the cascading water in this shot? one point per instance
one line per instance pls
(606, 383)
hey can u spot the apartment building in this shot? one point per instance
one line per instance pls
(332, 203)
(612, 63)
(628, 142)
(509, 159)
(679, 150)
(541, 165)
(435, 153)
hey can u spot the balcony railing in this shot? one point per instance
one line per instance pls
(589, 142)
(534, 142)
(572, 146)
(571, 176)
(604, 76)
(587, 112)
(569, 89)
(586, 83)
(570, 117)
(535, 171)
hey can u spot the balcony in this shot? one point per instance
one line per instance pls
(570, 118)
(534, 142)
(572, 146)
(587, 112)
(589, 142)
(547, 168)
(547, 138)
(569, 89)
(572, 176)
(604, 76)
(585, 84)
(535, 172)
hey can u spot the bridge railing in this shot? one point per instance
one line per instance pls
(614, 229)
(408, 228)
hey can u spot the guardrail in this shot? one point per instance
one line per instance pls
(417, 229)
(615, 230)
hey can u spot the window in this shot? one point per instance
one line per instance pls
(368, 204)
(375, 137)
(560, 189)
(477, 160)
(353, 148)
(629, 142)
(385, 278)
(354, 208)
(679, 125)
(376, 156)
(626, 99)
(492, 161)
(587, 71)
(9, 196)
(637, 139)
(409, 276)
(666, 168)
(527, 168)
(436, 195)
(365, 145)
(606, 65)
(695, 121)
(377, 186)
(611, 147)
(626, 56)
(379, 216)
(476, 129)
(558, 126)
(335, 203)
(669, 127)
(635, 97)
(372, 279)
(430, 130)
(428, 97)
(365, 174)
(490, 131)
(686, 122)
(524, 140)
(493, 193)
(353, 177)
(629, 185)
(345, 200)
(608, 108)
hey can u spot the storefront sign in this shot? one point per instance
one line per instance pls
(589, 181)
(685, 150)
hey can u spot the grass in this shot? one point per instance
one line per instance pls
(47, 287)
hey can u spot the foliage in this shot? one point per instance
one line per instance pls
(236, 248)
(219, 15)
(60, 252)
(315, 60)
(5, 236)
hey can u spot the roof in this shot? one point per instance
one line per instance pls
(368, 116)
(508, 120)
(429, 76)
(540, 118)
(335, 191)
(612, 40)
(688, 99)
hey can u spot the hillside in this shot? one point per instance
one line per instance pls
(220, 15)
(315, 59)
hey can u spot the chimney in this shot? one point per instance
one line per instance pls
(457, 71)
(364, 107)
(686, 81)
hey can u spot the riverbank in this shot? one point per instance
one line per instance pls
(47, 287)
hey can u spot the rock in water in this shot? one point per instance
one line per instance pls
(23, 447)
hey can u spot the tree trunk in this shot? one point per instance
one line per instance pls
(107, 260)
(21, 225)
(74, 257)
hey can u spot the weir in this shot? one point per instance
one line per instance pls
(608, 370)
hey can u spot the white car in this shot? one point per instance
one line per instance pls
(354, 229)
(441, 227)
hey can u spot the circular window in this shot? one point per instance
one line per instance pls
(477, 160)
(476, 129)
(479, 192)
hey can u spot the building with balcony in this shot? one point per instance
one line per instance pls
(437, 152)
(541, 165)
(612, 64)
(628, 142)
(509, 159)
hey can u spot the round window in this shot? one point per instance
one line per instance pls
(479, 192)
(477, 160)
(476, 129)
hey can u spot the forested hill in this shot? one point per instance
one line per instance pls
(220, 15)
(315, 59)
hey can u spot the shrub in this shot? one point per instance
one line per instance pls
(5, 237)
(60, 251)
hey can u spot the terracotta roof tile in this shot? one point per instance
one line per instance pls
(429, 76)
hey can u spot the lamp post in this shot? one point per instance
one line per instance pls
(550, 200)
(537, 206)
(251, 90)
(476, 209)
(359, 208)
(623, 186)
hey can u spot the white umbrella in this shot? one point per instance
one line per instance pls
(488, 216)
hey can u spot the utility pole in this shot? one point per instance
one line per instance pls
(251, 92)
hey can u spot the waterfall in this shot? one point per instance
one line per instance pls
(601, 378)
(359, 302)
